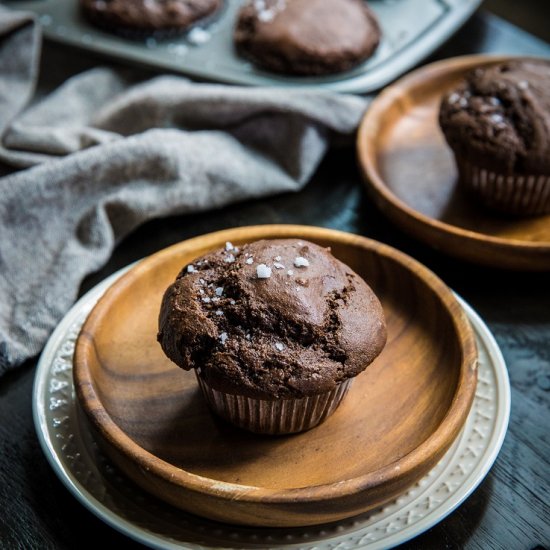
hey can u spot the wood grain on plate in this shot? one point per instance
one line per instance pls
(399, 418)
(411, 173)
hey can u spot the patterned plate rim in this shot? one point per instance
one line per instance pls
(384, 528)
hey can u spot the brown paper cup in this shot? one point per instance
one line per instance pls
(281, 416)
(512, 194)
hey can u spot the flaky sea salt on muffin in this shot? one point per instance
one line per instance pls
(276, 330)
(497, 122)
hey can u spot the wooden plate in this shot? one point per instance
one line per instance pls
(411, 173)
(399, 418)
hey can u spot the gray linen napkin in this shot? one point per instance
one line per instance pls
(103, 156)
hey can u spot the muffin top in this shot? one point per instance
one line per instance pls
(149, 15)
(306, 37)
(499, 117)
(272, 319)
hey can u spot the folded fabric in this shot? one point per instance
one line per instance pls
(103, 155)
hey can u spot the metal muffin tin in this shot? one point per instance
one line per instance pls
(411, 29)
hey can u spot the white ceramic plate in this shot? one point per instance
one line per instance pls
(109, 495)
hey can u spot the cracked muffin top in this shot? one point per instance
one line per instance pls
(272, 319)
(499, 116)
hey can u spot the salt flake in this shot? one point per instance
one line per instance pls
(278, 265)
(249, 260)
(223, 338)
(219, 291)
(191, 269)
(300, 261)
(280, 346)
(198, 36)
(453, 98)
(263, 271)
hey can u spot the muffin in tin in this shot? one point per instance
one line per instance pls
(142, 18)
(497, 123)
(306, 37)
(276, 330)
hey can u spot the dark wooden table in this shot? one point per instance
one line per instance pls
(509, 510)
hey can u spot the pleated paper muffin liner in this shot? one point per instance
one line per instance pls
(519, 194)
(281, 416)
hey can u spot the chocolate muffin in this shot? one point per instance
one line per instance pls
(275, 330)
(139, 18)
(306, 37)
(497, 122)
